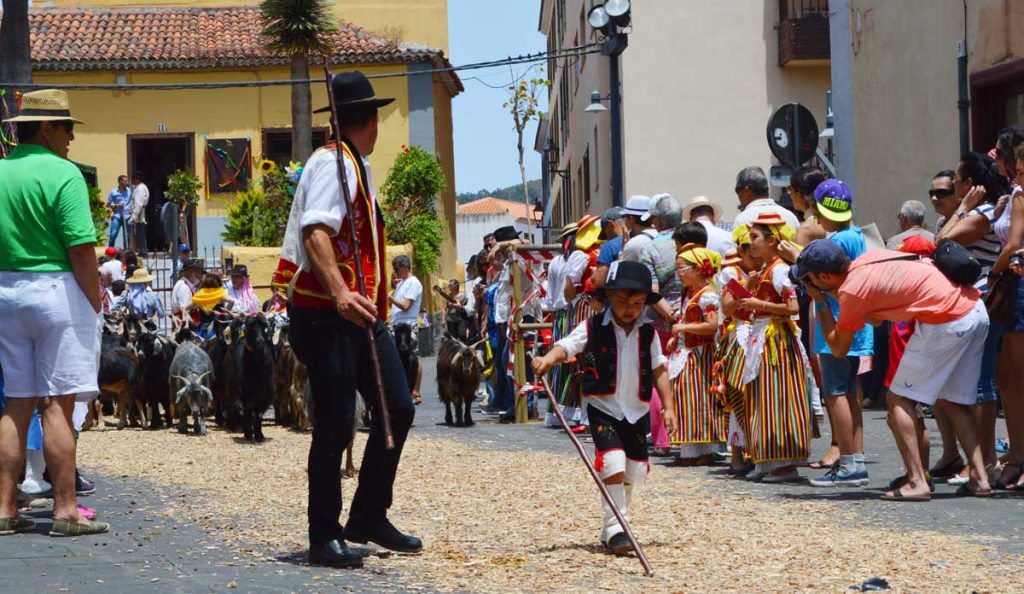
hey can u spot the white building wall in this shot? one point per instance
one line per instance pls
(471, 228)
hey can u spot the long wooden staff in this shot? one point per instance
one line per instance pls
(600, 484)
(385, 416)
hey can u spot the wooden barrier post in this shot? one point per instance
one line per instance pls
(519, 365)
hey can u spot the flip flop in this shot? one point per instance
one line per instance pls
(822, 465)
(898, 496)
(966, 491)
(1012, 485)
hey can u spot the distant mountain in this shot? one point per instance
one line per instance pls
(514, 193)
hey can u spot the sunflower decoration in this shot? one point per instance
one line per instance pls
(267, 166)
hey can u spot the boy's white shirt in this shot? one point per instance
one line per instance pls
(625, 403)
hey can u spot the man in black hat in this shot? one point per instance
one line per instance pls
(328, 320)
(185, 288)
(622, 363)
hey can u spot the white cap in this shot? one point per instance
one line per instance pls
(639, 206)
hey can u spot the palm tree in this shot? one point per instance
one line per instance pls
(299, 29)
(15, 48)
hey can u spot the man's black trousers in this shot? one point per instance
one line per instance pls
(336, 353)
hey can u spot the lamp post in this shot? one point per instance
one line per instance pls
(610, 19)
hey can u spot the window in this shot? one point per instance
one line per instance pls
(559, 21)
(566, 197)
(277, 143)
(597, 160)
(586, 180)
(563, 102)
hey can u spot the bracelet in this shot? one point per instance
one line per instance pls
(961, 214)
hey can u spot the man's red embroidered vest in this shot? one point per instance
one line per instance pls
(307, 290)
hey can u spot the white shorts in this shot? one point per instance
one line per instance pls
(49, 336)
(943, 361)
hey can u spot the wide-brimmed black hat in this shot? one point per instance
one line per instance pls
(239, 270)
(193, 263)
(506, 233)
(352, 90)
(629, 276)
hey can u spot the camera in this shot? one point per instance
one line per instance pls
(1016, 260)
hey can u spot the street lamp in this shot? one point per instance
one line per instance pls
(551, 154)
(609, 19)
(595, 102)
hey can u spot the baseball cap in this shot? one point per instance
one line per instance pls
(821, 255)
(110, 251)
(612, 214)
(638, 206)
(835, 202)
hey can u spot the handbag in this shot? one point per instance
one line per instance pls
(999, 300)
(954, 261)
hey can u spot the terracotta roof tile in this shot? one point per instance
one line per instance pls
(491, 205)
(181, 38)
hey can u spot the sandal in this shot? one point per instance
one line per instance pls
(900, 481)
(9, 526)
(81, 527)
(966, 491)
(1010, 485)
(822, 465)
(898, 496)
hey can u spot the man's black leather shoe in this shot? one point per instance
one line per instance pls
(386, 535)
(334, 553)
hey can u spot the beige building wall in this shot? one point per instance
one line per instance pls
(700, 80)
(904, 76)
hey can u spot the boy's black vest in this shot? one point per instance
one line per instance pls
(600, 359)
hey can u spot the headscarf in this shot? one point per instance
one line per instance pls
(707, 261)
(209, 298)
(247, 296)
(741, 235)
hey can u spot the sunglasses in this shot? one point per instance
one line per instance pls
(940, 193)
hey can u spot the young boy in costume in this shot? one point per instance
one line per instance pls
(621, 363)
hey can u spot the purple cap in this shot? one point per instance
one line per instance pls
(835, 202)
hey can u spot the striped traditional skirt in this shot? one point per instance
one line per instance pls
(570, 393)
(776, 403)
(703, 422)
(729, 360)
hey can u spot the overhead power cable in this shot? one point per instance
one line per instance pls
(568, 52)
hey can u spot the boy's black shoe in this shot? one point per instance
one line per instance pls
(384, 534)
(334, 553)
(619, 544)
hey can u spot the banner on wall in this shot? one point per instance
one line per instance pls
(228, 165)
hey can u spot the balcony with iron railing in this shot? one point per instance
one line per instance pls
(803, 32)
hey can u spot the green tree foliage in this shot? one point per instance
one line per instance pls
(259, 216)
(513, 193)
(410, 191)
(100, 214)
(299, 29)
(183, 189)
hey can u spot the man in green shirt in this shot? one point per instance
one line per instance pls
(49, 305)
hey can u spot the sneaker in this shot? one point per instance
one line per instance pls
(83, 486)
(838, 478)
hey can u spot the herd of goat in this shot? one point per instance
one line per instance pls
(244, 367)
(239, 372)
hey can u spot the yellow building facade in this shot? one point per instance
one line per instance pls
(175, 125)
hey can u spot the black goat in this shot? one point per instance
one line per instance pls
(458, 376)
(253, 373)
(218, 347)
(405, 343)
(156, 354)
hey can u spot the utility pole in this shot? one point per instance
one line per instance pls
(613, 48)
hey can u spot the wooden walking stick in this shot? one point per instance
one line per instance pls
(597, 479)
(385, 416)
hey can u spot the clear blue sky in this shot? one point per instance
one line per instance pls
(485, 137)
